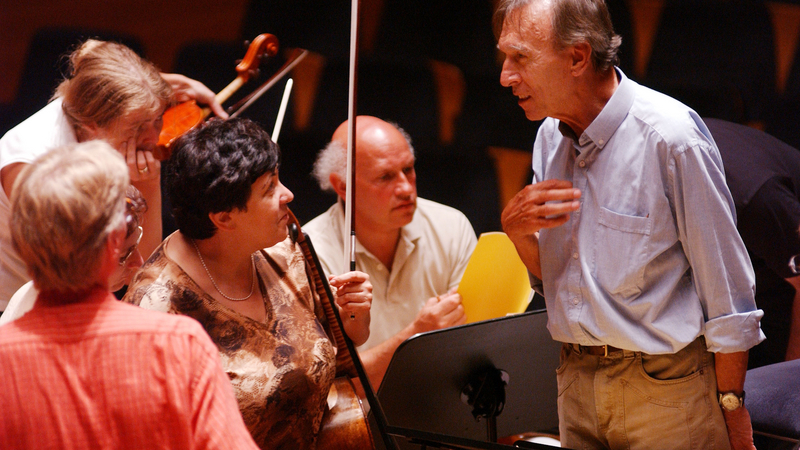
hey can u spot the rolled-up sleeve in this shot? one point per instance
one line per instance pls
(721, 268)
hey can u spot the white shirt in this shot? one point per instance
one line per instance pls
(37, 135)
(430, 259)
(21, 302)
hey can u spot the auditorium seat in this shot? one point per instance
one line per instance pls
(772, 397)
(784, 117)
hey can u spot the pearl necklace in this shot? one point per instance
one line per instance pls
(252, 283)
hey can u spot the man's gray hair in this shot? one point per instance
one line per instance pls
(333, 159)
(575, 21)
(64, 206)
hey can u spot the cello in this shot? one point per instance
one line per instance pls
(352, 354)
(344, 421)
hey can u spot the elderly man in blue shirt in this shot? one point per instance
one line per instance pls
(630, 228)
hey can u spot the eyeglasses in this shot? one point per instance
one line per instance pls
(127, 255)
(794, 264)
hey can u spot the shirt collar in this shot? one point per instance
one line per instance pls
(610, 118)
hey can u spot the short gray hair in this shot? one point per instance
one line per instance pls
(333, 159)
(64, 206)
(575, 21)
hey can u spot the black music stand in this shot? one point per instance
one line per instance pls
(422, 391)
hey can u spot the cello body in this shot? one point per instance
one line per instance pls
(344, 422)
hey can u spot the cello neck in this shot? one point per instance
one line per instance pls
(346, 350)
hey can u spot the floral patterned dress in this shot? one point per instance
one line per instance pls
(281, 370)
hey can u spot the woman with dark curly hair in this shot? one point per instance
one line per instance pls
(232, 267)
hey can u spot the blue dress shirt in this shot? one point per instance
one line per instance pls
(652, 258)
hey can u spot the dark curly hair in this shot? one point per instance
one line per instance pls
(212, 169)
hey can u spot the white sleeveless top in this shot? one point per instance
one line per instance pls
(40, 133)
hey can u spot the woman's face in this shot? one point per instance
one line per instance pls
(129, 262)
(267, 211)
(143, 126)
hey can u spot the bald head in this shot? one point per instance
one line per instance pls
(372, 134)
(385, 181)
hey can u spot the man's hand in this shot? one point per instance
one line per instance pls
(740, 429)
(185, 89)
(353, 293)
(541, 205)
(440, 312)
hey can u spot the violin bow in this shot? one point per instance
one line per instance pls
(350, 197)
(294, 59)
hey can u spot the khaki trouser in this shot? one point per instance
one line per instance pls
(632, 400)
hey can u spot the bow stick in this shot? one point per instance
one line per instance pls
(350, 197)
(294, 59)
(350, 254)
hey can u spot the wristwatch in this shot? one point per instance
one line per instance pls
(729, 401)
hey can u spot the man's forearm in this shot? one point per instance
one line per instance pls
(731, 369)
(528, 250)
(376, 360)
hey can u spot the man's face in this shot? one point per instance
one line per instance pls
(533, 68)
(386, 185)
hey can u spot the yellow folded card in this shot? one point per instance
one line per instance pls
(495, 282)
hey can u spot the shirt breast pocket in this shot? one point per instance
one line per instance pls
(621, 243)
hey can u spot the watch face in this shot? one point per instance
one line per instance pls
(730, 401)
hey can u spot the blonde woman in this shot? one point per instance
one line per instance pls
(112, 94)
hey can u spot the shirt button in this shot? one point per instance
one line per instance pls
(600, 142)
(575, 301)
(575, 255)
(582, 163)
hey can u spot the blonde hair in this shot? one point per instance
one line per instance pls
(108, 82)
(63, 208)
